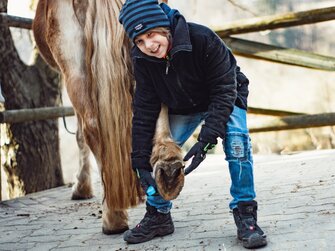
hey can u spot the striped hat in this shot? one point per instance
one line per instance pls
(139, 16)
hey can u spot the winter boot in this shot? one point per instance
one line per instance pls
(245, 216)
(153, 224)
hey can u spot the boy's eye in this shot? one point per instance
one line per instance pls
(149, 34)
(138, 42)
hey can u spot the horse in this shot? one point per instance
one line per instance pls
(85, 42)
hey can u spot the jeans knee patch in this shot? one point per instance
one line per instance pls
(236, 146)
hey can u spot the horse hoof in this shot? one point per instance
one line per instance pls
(82, 192)
(169, 178)
(114, 231)
(81, 197)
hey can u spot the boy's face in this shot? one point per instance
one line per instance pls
(153, 44)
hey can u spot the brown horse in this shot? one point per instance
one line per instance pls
(85, 42)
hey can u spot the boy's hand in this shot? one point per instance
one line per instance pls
(147, 182)
(199, 151)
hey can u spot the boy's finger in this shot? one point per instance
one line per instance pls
(189, 155)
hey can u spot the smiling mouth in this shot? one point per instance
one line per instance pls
(155, 50)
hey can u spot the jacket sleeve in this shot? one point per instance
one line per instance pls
(220, 66)
(146, 108)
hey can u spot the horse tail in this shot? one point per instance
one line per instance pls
(111, 83)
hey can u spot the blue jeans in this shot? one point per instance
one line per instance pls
(236, 146)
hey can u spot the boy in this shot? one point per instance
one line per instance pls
(187, 67)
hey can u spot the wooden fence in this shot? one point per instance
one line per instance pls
(285, 120)
(281, 120)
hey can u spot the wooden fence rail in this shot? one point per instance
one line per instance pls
(25, 115)
(17, 22)
(293, 122)
(243, 26)
(255, 49)
(277, 21)
(271, 112)
(279, 54)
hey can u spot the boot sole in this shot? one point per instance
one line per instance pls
(254, 241)
(144, 238)
(115, 231)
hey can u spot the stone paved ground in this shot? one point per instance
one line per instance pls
(296, 209)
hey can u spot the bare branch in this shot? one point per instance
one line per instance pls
(240, 6)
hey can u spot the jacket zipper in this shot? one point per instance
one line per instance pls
(167, 65)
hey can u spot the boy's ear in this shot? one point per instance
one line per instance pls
(163, 1)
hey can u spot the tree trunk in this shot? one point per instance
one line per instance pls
(29, 150)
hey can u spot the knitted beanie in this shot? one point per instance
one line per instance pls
(139, 16)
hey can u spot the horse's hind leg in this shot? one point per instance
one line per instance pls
(83, 186)
(65, 39)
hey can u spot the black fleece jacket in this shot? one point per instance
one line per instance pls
(200, 75)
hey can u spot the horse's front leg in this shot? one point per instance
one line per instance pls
(166, 159)
(114, 221)
(83, 186)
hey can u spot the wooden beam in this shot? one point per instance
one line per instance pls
(24, 115)
(243, 26)
(270, 112)
(263, 125)
(293, 122)
(18, 22)
(280, 54)
(276, 21)
(244, 47)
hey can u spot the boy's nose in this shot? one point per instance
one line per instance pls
(148, 45)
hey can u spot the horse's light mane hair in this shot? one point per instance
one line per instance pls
(111, 83)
